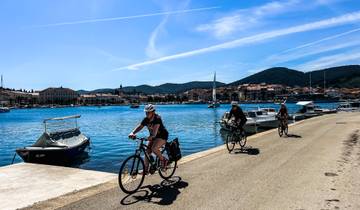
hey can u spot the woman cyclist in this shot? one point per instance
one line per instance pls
(158, 134)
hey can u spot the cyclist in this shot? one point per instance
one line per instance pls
(240, 118)
(158, 134)
(283, 114)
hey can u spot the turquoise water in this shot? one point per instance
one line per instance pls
(108, 127)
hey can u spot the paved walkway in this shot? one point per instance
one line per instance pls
(24, 184)
(316, 167)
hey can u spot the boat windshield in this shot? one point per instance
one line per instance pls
(252, 114)
(61, 124)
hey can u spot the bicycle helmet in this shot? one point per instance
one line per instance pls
(149, 108)
(234, 103)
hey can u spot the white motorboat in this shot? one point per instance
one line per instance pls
(269, 111)
(249, 127)
(4, 109)
(307, 109)
(320, 110)
(349, 106)
(264, 119)
(60, 143)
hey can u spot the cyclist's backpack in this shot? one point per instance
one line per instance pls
(173, 150)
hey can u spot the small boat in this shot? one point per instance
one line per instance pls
(307, 109)
(250, 126)
(320, 110)
(349, 106)
(56, 145)
(4, 109)
(264, 119)
(268, 111)
(134, 106)
(296, 117)
(214, 104)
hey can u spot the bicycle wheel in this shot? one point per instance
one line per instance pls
(286, 129)
(130, 176)
(169, 170)
(230, 142)
(243, 140)
(280, 131)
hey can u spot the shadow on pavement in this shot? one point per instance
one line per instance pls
(248, 150)
(164, 193)
(293, 136)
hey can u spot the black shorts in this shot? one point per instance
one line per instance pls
(164, 135)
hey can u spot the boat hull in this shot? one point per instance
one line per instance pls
(3, 110)
(269, 124)
(213, 105)
(53, 155)
(249, 128)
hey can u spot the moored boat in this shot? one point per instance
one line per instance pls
(4, 109)
(320, 110)
(250, 126)
(134, 105)
(307, 109)
(56, 145)
(264, 119)
(349, 106)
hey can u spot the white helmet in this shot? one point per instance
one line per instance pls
(234, 103)
(149, 108)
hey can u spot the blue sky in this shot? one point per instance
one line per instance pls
(90, 44)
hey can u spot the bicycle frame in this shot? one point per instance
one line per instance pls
(142, 149)
(283, 123)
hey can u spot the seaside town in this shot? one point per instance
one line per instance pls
(245, 93)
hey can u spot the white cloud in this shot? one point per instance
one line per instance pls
(245, 18)
(328, 61)
(151, 50)
(331, 22)
(281, 58)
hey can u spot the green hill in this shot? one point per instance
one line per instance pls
(276, 75)
(342, 76)
(169, 88)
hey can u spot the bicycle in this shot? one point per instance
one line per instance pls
(131, 180)
(283, 126)
(236, 136)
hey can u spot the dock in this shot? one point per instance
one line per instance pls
(24, 184)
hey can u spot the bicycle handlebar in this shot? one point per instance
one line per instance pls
(141, 139)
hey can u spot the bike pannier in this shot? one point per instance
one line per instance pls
(173, 150)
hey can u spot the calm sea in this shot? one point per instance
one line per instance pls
(108, 127)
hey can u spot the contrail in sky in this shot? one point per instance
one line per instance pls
(125, 17)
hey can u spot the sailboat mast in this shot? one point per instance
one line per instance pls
(310, 84)
(2, 82)
(324, 82)
(214, 89)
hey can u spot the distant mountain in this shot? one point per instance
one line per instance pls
(342, 76)
(276, 75)
(103, 90)
(169, 88)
